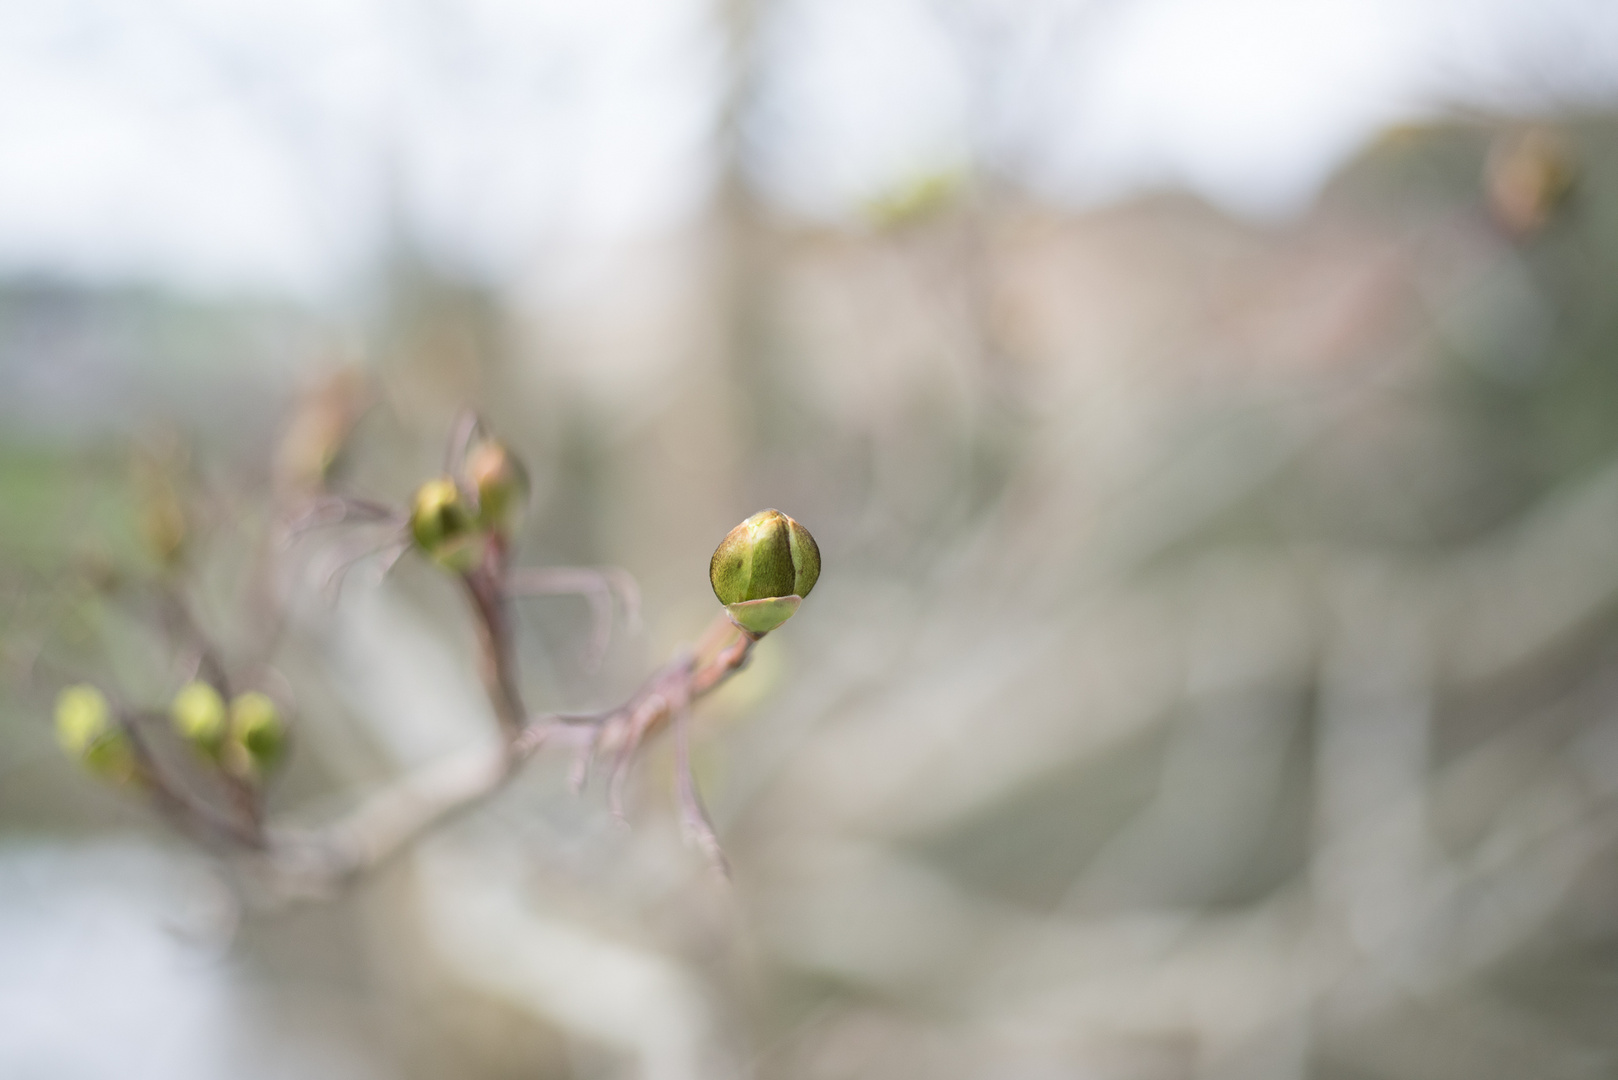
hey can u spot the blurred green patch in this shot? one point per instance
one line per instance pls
(66, 510)
(920, 198)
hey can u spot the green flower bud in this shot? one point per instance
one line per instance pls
(82, 716)
(442, 525)
(501, 482)
(86, 732)
(258, 736)
(763, 569)
(198, 713)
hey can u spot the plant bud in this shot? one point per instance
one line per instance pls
(198, 713)
(442, 525)
(763, 569)
(257, 734)
(82, 716)
(87, 734)
(1529, 174)
(501, 482)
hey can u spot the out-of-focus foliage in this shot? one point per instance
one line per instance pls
(1211, 674)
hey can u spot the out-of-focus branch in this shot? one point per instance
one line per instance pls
(463, 523)
(314, 863)
(497, 665)
(598, 585)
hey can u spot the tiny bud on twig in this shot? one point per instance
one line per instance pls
(501, 484)
(198, 715)
(443, 526)
(763, 569)
(87, 734)
(257, 736)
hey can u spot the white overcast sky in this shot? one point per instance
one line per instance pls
(270, 145)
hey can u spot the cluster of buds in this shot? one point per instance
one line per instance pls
(246, 738)
(454, 518)
(463, 520)
(762, 570)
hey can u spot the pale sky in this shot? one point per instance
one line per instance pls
(267, 145)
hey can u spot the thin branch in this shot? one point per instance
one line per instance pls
(350, 557)
(328, 510)
(184, 627)
(468, 426)
(497, 663)
(186, 812)
(693, 815)
(314, 863)
(598, 586)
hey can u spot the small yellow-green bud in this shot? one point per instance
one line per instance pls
(198, 713)
(82, 716)
(257, 734)
(87, 734)
(442, 525)
(763, 569)
(501, 482)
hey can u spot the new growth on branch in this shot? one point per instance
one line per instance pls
(230, 722)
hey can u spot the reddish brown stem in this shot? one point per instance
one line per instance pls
(497, 662)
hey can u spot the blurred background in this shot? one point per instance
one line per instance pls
(1207, 411)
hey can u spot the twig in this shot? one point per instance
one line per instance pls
(467, 427)
(693, 815)
(188, 813)
(597, 586)
(314, 863)
(497, 665)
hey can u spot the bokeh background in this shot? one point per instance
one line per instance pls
(1207, 411)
